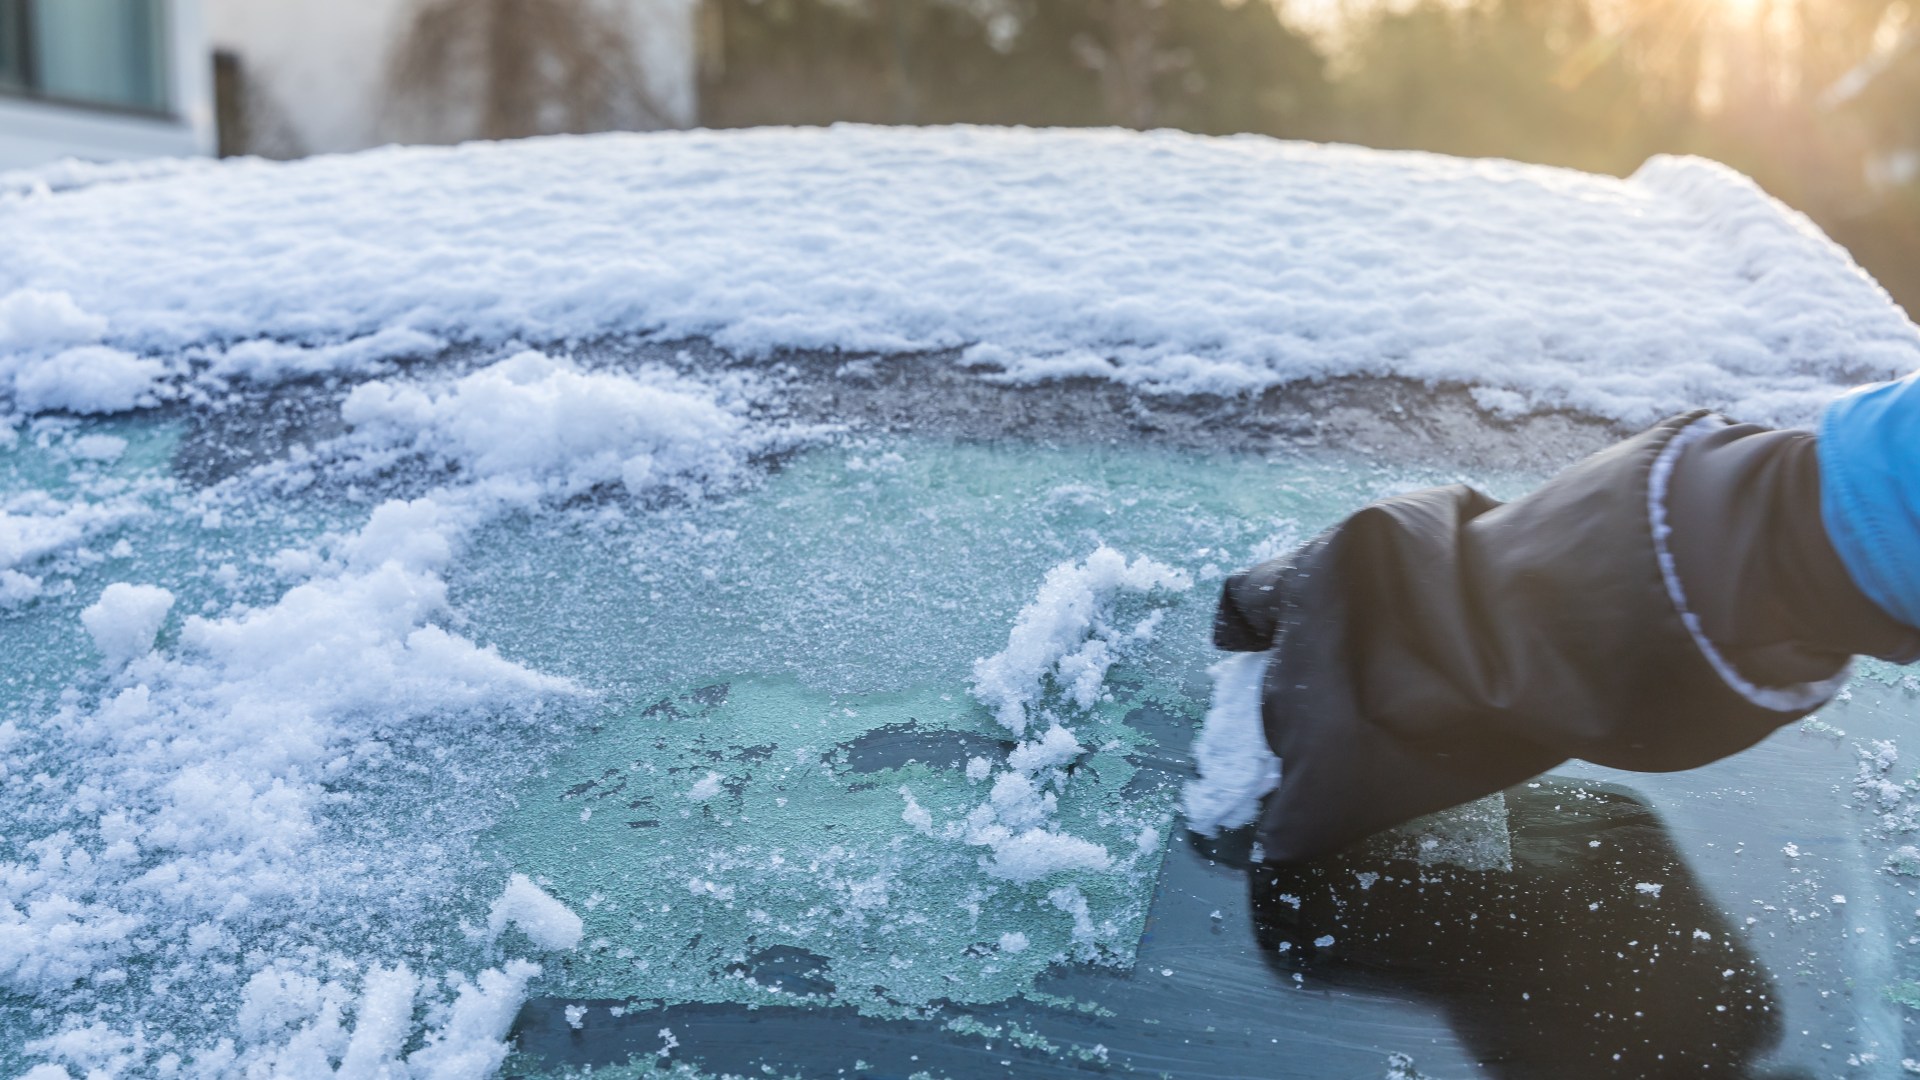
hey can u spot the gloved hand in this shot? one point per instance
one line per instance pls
(1665, 603)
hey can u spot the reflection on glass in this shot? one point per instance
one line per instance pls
(95, 52)
(1598, 954)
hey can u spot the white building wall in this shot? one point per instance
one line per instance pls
(324, 68)
(34, 133)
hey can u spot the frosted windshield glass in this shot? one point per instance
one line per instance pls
(869, 759)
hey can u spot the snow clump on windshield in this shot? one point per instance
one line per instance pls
(125, 620)
(35, 526)
(49, 352)
(1065, 640)
(1064, 636)
(541, 418)
(197, 827)
(297, 1026)
(547, 922)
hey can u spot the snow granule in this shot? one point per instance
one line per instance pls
(916, 815)
(17, 588)
(268, 360)
(1057, 747)
(125, 620)
(1647, 888)
(546, 921)
(1036, 853)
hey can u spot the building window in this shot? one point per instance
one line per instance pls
(110, 53)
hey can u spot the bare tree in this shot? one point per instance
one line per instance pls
(502, 69)
(1130, 60)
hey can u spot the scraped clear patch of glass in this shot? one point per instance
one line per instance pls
(903, 717)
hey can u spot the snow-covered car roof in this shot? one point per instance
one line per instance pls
(1164, 261)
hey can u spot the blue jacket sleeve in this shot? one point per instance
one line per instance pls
(1870, 492)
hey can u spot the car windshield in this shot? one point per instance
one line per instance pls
(645, 704)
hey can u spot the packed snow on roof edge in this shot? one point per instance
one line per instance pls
(1166, 262)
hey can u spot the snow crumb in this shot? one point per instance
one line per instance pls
(1323, 941)
(576, 1016)
(265, 360)
(916, 815)
(1702, 935)
(1034, 854)
(36, 526)
(1017, 802)
(1073, 902)
(382, 1021)
(546, 921)
(1013, 942)
(1148, 841)
(1236, 768)
(1647, 888)
(17, 588)
(979, 768)
(1057, 747)
(709, 786)
(125, 620)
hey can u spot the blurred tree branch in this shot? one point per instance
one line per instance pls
(497, 69)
